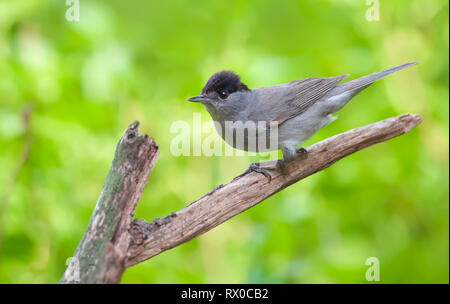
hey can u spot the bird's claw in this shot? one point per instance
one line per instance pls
(280, 165)
(302, 153)
(254, 167)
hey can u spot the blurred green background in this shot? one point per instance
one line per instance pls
(85, 81)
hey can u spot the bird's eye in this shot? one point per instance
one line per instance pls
(223, 94)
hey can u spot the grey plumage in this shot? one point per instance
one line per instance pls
(361, 83)
(283, 102)
(301, 107)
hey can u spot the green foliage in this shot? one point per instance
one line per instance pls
(141, 60)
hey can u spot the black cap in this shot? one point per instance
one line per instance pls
(224, 80)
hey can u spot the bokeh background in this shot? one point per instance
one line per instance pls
(69, 89)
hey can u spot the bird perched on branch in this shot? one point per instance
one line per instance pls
(294, 110)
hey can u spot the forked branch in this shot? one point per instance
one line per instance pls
(113, 242)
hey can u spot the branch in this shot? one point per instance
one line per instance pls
(144, 240)
(245, 191)
(101, 253)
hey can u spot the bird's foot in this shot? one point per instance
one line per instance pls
(281, 166)
(302, 153)
(254, 167)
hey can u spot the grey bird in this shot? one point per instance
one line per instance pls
(299, 108)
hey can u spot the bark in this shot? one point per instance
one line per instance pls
(100, 256)
(113, 243)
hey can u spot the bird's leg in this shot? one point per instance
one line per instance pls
(289, 154)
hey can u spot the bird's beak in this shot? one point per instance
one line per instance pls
(199, 98)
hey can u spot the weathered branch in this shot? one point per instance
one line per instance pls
(101, 248)
(101, 254)
(245, 191)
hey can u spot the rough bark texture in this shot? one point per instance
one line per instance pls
(245, 191)
(100, 256)
(113, 243)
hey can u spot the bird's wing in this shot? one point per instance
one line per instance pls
(282, 102)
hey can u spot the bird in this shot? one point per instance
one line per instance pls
(297, 109)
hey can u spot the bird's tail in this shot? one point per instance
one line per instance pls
(355, 86)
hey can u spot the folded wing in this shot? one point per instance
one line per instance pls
(285, 101)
